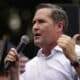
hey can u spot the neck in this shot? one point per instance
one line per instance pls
(47, 50)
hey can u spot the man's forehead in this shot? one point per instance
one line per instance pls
(42, 13)
(43, 10)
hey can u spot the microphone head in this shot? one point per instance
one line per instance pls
(25, 39)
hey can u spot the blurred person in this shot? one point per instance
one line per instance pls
(22, 61)
(57, 57)
(4, 48)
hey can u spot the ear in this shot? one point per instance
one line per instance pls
(60, 26)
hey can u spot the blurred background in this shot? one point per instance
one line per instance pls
(16, 20)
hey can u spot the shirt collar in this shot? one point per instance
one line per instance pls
(57, 48)
(54, 51)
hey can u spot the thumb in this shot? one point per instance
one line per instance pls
(75, 38)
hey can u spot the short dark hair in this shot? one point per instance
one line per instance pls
(58, 14)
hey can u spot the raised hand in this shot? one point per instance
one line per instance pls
(68, 45)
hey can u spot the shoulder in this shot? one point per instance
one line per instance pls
(35, 60)
(32, 62)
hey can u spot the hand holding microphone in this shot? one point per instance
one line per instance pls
(12, 56)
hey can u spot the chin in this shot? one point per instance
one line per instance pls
(37, 43)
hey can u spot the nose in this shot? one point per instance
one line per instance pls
(35, 27)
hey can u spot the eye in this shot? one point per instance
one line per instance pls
(41, 21)
(33, 22)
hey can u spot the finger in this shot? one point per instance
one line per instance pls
(14, 50)
(64, 40)
(65, 43)
(76, 36)
(65, 36)
(9, 58)
(61, 44)
(12, 54)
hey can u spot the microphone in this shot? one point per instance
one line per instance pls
(23, 42)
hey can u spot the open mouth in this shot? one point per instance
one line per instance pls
(37, 35)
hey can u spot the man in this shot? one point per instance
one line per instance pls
(57, 58)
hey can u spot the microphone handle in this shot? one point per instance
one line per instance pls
(8, 65)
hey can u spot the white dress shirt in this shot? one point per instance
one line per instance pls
(53, 67)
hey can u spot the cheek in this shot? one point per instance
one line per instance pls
(49, 32)
(50, 35)
(47, 35)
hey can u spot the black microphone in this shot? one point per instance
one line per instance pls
(24, 41)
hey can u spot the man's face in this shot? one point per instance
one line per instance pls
(44, 28)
